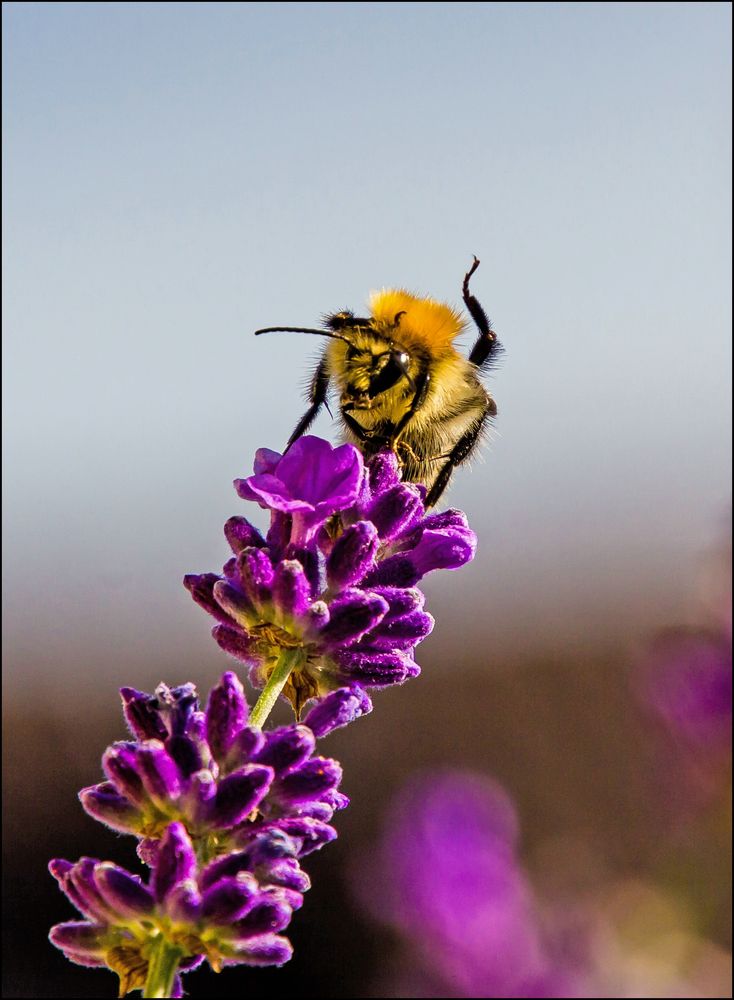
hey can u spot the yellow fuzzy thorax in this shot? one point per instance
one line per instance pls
(426, 321)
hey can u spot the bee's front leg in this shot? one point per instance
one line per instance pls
(422, 385)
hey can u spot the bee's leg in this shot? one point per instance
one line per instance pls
(487, 346)
(460, 452)
(422, 385)
(317, 394)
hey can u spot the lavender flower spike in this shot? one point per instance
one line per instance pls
(223, 812)
(196, 914)
(333, 583)
(233, 787)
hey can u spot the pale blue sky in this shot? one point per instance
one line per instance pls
(177, 175)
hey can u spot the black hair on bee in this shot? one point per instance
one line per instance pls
(402, 383)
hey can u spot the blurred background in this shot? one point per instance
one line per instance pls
(178, 175)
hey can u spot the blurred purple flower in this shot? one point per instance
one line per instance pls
(448, 877)
(686, 678)
(335, 577)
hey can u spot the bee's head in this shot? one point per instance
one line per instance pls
(373, 366)
(371, 363)
(366, 358)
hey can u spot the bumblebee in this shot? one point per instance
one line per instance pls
(403, 385)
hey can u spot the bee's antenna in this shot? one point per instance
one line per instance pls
(303, 329)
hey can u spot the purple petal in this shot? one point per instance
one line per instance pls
(444, 549)
(291, 588)
(352, 614)
(286, 872)
(376, 669)
(383, 471)
(336, 799)
(279, 532)
(353, 555)
(245, 747)
(229, 899)
(282, 870)
(401, 633)
(402, 601)
(271, 845)
(233, 602)
(256, 574)
(104, 803)
(186, 755)
(320, 810)
(60, 868)
(270, 492)
(227, 865)
(238, 794)
(120, 764)
(197, 800)
(238, 643)
(82, 943)
(80, 881)
(175, 862)
(312, 779)
(242, 535)
(267, 917)
(336, 709)
(84, 898)
(184, 903)
(316, 618)
(230, 572)
(310, 561)
(266, 460)
(201, 588)
(395, 571)
(226, 715)
(444, 520)
(287, 748)
(122, 891)
(327, 479)
(312, 834)
(159, 773)
(177, 706)
(142, 715)
(267, 949)
(396, 510)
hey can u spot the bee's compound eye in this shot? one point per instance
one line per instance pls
(403, 358)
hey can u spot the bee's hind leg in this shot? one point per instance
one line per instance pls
(487, 347)
(460, 452)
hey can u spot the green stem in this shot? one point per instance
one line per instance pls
(162, 968)
(288, 660)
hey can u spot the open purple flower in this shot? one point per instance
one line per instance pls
(310, 482)
(221, 914)
(232, 785)
(334, 581)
